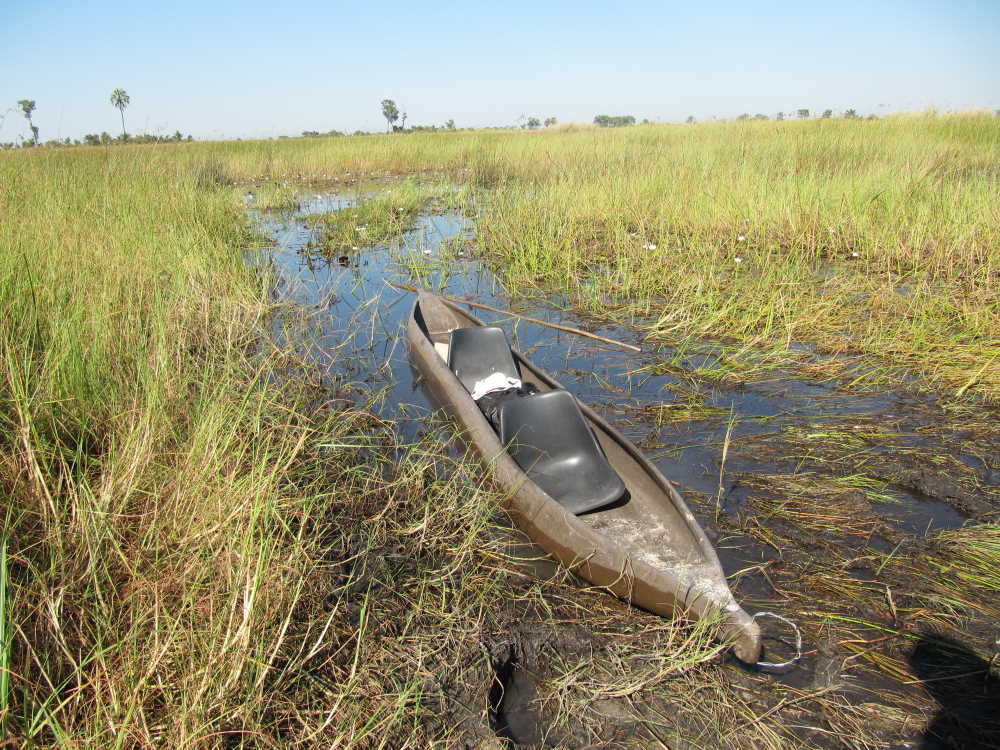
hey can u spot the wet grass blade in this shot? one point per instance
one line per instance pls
(6, 641)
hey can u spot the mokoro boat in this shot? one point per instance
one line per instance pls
(646, 547)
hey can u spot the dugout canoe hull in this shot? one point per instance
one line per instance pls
(649, 551)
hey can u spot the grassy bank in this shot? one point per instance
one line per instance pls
(144, 462)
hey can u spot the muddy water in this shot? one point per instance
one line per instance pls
(781, 428)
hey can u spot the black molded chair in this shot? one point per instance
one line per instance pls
(548, 436)
(476, 353)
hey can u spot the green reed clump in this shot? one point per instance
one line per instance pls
(275, 196)
(377, 219)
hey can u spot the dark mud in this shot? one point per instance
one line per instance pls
(852, 513)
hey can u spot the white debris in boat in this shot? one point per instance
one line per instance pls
(495, 382)
(441, 349)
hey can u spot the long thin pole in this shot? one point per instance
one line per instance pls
(545, 323)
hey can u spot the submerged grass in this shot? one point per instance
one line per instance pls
(379, 218)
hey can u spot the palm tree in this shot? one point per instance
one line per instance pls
(28, 106)
(390, 112)
(120, 99)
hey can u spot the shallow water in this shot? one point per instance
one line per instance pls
(782, 425)
(357, 339)
(359, 318)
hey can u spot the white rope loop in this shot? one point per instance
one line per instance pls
(798, 642)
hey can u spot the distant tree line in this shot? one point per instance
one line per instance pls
(448, 125)
(390, 111)
(327, 134)
(802, 114)
(119, 100)
(613, 121)
(533, 123)
(93, 139)
(102, 139)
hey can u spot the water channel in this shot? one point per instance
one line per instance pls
(357, 319)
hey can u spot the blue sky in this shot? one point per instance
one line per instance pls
(252, 68)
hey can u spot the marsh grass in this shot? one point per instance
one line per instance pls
(868, 607)
(867, 593)
(204, 548)
(950, 588)
(877, 240)
(870, 238)
(201, 548)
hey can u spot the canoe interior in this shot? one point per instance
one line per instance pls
(649, 524)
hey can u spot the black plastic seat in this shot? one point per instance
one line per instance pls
(548, 436)
(476, 353)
